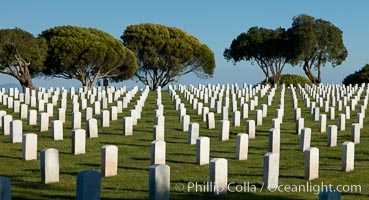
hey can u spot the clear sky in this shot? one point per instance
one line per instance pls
(215, 23)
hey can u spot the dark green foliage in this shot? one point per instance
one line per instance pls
(166, 53)
(361, 76)
(21, 55)
(270, 49)
(293, 79)
(87, 54)
(317, 42)
(309, 42)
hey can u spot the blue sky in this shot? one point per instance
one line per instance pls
(216, 23)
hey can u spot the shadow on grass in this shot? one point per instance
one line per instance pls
(246, 195)
(140, 158)
(172, 142)
(139, 131)
(57, 196)
(110, 131)
(90, 165)
(353, 195)
(136, 145)
(69, 173)
(177, 162)
(134, 168)
(124, 198)
(145, 140)
(11, 157)
(291, 176)
(251, 174)
(182, 154)
(203, 195)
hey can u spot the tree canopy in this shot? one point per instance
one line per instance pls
(86, 54)
(317, 42)
(293, 79)
(361, 76)
(21, 55)
(166, 53)
(269, 48)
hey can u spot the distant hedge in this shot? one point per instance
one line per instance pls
(293, 79)
(361, 76)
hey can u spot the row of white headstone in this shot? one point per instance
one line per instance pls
(273, 135)
(159, 175)
(159, 172)
(49, 157)
(242, 140)
(57, 125)
(271, 159)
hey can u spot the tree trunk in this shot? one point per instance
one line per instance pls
(24, 78)
(153, 86)
(319, 78)
(22, 74)
(91, 84)
(313, 79)
(87, 83)
(267, 79)
(275, 80)
(26, 83)
(310, 75)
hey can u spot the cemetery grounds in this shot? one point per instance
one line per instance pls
(134, 154)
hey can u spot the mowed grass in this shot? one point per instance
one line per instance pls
(134, 156)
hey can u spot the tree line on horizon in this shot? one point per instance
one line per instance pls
(157, 55)
(309, 43)
(154, 53)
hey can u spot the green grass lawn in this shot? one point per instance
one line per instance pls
(134, 156)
